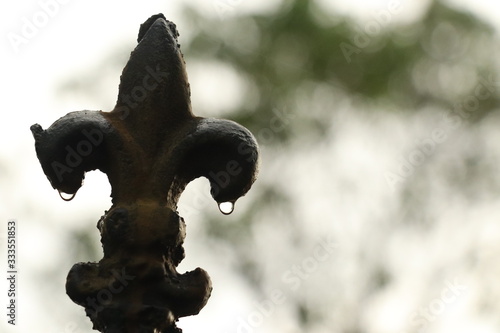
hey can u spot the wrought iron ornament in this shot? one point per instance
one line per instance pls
(150, 146)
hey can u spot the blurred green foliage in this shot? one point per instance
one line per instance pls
(299, 47)
(300, 59)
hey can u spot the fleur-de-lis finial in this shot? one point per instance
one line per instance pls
(150, 146)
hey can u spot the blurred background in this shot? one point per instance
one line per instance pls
(377, 206)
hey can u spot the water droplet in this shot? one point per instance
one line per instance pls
(226, 208)
(66, 196)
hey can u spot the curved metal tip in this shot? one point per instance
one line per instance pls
(37, 131)
(146, 26)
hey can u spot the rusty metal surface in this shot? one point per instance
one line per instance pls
(150, 146)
